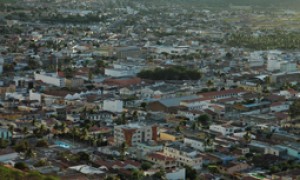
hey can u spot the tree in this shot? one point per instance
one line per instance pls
(137, 175)
(22, 166)
(134, 115)
(3, 143)
(213, 169)
(123, 148)
(160, 174)
(42, 143)
(247, 137)
(22, 146)
(191, 173)
(295, 109)
(146, 165)
(29, 153)
(83, 156)
(209, 83)
(203, 120)
(143, 105)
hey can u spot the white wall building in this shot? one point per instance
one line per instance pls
(273, 64)
(113, 105)
(35, 96)
(194, 143)
(50, 78)
(223, 129)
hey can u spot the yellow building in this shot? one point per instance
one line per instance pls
(170, 136)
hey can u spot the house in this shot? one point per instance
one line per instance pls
(176, 174)
(8, 155)
(165, 105)
(101, 116)
(170, 136)
(223, 129)
(50, 78)
(5, 133)
(233, 167)
(148, 147)
(289, 174)
(223, 94)
(197, 143)
(161, 160)
(292, 149)
(279, 106)
(184, 155)
(196, 104)
(113, 105)
(275, 150)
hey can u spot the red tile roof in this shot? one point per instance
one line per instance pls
(220, 93)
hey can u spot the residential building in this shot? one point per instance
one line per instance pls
(170, 136)
(113, 105)
(184, 155)
(162, 160)
(5, 133)
(50, 78)
(135, 133)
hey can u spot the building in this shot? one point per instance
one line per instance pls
(113, 105)
(195, 143)
(133, 134)
(170, 136)
(50, 78)
(162, 160)
(196, 104)
(290, 174)
(223, 129)
(74, 82)
(184, 155)
(233, 167)
(5, 133)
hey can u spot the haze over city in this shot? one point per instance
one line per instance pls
(149, 89)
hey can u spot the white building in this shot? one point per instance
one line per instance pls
(184, 155)
(50, 78)
(113, 105)
(223, 129)
(135, 133)
(35, 96)
(194, 143)
(196, 104)
(273, 64)
(118, 72)
(255, 59)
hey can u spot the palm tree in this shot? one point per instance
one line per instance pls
(11, 129)
(209, 83)
(247, 137)
(84, 134)
(29, 153)
(123, 149)
(25, 131)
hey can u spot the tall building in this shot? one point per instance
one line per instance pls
(135, 133)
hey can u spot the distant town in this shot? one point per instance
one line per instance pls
(149, 90)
